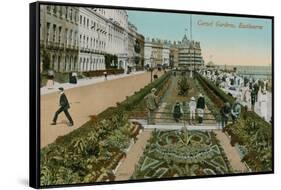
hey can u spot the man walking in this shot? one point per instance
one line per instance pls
(200, 108)
(151, 105)
(64, 106)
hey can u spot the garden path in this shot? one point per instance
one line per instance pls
(231, 152)
(127, 167)
(171, 97)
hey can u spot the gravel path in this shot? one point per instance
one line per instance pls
(127, 167)
(231, 152)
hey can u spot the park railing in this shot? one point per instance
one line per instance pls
(166, 118)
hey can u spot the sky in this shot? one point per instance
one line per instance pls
(222, 39)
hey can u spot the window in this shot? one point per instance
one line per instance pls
(66, 12)
(75, 17)
(84, 21)
(70, 37)
(48, 31)
(60, 11)
(75, 38)
(54, 33)
(71, 14)
(65, 63)
(59, 63)
(81, 18)
(84, 64)
(65, 37)
(55, 10)
(53, 62)
(83, 41)
(48, 8)
(59, 35)
(87, 23)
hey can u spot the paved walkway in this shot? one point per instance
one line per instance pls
(231, 152)
(84, 82)
(127, 167)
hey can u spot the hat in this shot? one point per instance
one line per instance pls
(61, 88)
(153, 90)
(192, 98)
(200, 95)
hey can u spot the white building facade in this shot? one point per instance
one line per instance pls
(156, 52)
(117, 23)
(59, 46)
(166, 55)
(77, 39)
(102, 31)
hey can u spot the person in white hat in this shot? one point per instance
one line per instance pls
(192, 109)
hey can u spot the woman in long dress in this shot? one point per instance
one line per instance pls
(264, 105)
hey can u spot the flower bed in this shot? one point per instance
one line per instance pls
(182, 153)
(91, 152)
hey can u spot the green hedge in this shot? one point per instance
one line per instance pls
(100, 72)
(221, 94)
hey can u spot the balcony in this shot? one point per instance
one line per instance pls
(53, 45)
(61, 46)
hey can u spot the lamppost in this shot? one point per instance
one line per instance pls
(151, 68)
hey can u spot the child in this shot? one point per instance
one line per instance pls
(177, 112)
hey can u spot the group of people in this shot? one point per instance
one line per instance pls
(250, 91)
(152, 103)
(193, 106)
(228, 111)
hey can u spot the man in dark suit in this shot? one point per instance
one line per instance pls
(64, 106)
(200, 108)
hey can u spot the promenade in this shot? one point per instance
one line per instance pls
(87, 98)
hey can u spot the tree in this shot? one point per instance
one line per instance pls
(111, 61)
(183, 86)
(137, 60)
(137, 46)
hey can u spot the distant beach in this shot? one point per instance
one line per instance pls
(257, 72)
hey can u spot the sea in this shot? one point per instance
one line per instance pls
(256, 72)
